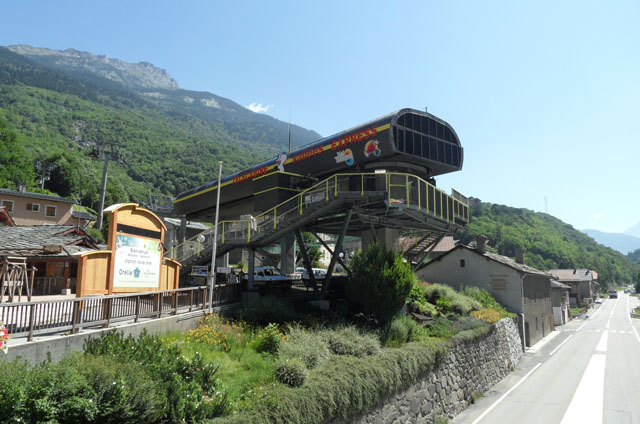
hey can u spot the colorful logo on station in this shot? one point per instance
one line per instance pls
(136, 273)
(281, 159)
(345, 156)
(372, 149)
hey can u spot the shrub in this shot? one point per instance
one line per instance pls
(345, 386)
(350, 341)
(291, 371)
(457, 303)
(308, 346)
(191, 390)
(403, 330)
(268, 339)
(379, 283)
(490, 315)
(215, 330)
(486, 300)
(123, 392)
(13, 376)
(266, 310)
(78, 389)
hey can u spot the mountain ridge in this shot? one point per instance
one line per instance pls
(547, 242)
(623, 243)
(171, 144)
(140, 74)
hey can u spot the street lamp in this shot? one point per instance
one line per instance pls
(212, 273)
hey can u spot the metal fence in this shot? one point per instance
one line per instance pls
(71, 315)
(401, 190)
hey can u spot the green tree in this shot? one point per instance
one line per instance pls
(379, 283)
(15, 165)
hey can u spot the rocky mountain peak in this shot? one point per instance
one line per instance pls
(141, 75)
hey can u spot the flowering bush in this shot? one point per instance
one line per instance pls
(215, 330)
(4, 338)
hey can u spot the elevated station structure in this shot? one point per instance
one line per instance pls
(369, 181)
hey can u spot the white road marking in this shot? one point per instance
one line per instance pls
(602, 344)
(477, 420)
(608, 322)
(580, 328)
(587, 403)
(628, 309)
(634, 330)
(543, 342)
(560, 345)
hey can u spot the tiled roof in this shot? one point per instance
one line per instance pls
(500, 259)
(83, 215)
(512, 263)
(558, 285)
(28, 240)
(580, 274)
(36, 196)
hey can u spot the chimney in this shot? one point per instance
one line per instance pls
(519, 256)
(481, 243)
(22, 188)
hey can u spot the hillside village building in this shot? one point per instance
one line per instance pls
(42, 209)
(583, 283)
(522, 289)
(560, 302)
(52, 249)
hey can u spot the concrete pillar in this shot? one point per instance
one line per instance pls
(252, 262)
(388, 238)
(288, 254)
(182, 235)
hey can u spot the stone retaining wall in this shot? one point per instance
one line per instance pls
(470, 369)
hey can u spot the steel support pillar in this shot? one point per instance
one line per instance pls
(326, 246)
(307, 262)
(336, 252)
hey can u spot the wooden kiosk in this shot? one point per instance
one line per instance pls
(134, 261)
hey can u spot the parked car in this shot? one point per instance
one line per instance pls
(599, 300)
(318, 273)
(268, 277)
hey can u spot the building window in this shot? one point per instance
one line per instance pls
(8, 205)
(50, 211)
(461, 263)
(33, 207)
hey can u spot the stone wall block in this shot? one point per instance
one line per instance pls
(446, 391)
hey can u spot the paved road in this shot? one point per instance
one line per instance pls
(586, 372)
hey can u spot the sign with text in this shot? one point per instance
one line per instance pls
(137, 262)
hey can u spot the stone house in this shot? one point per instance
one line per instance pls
(560, 302)
(40, 209)
(52, 249)
(522, 289)
(584, 288)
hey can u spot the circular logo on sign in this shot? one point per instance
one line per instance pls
(372, 149)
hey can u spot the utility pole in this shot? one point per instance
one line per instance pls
(212, 274)
(101, 153)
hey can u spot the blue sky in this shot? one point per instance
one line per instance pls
(543, 95)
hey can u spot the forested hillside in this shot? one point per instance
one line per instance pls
(547, 242)
(171, 138)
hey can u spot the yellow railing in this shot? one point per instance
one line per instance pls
(402, 190)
